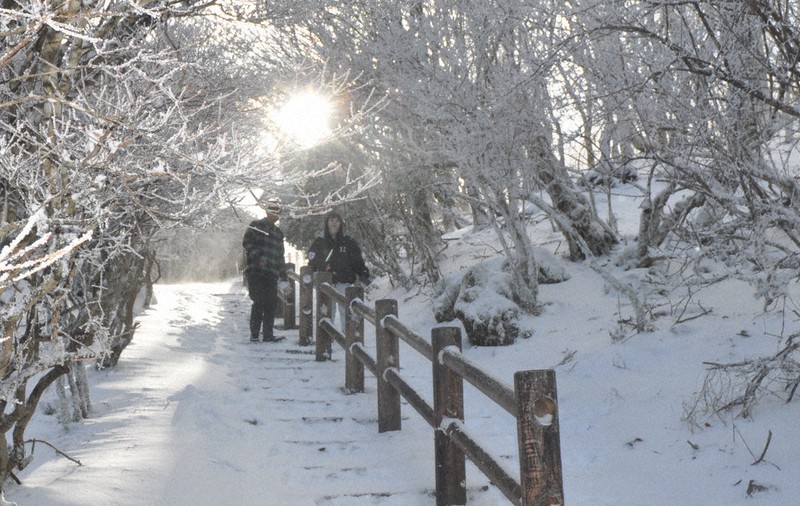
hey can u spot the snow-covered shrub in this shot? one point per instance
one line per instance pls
(484, 299)
(486, 305)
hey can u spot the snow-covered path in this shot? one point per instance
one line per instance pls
(194, 414)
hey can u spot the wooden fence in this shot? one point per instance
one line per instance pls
(532, 401)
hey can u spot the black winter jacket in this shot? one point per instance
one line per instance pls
(339, 255)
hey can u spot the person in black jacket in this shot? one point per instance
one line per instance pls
(338, 254)
(263, 245)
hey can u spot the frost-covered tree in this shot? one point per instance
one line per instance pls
(703, 97)
(116, 121)
(467, 119)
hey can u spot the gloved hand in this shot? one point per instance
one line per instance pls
(365, 281)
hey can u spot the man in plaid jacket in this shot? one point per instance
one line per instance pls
(263, 245)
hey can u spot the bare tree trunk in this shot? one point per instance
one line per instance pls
(480, 219)
(17, 422)
(5, 468)
(573, 207)
(79, 389)
(63, 402)
(83, 389)
(525, 266)
(423, 234)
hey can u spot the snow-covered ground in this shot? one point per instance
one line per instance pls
(195, 415)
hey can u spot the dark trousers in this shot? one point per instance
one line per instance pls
(263, 291)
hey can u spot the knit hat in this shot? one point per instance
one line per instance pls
(273, 207)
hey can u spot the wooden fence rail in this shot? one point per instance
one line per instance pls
(533, 400)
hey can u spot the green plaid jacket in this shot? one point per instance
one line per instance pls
(263, 245)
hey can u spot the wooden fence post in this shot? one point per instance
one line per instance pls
(388, 355)
(324, 310)
(353, 333)
(288, 305)
(448, 403)
(306, 305)
(538, 437)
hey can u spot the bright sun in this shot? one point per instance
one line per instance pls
(305, 118)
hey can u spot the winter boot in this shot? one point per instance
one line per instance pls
(254, 328)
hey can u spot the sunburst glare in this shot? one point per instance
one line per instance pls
(305, 118)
